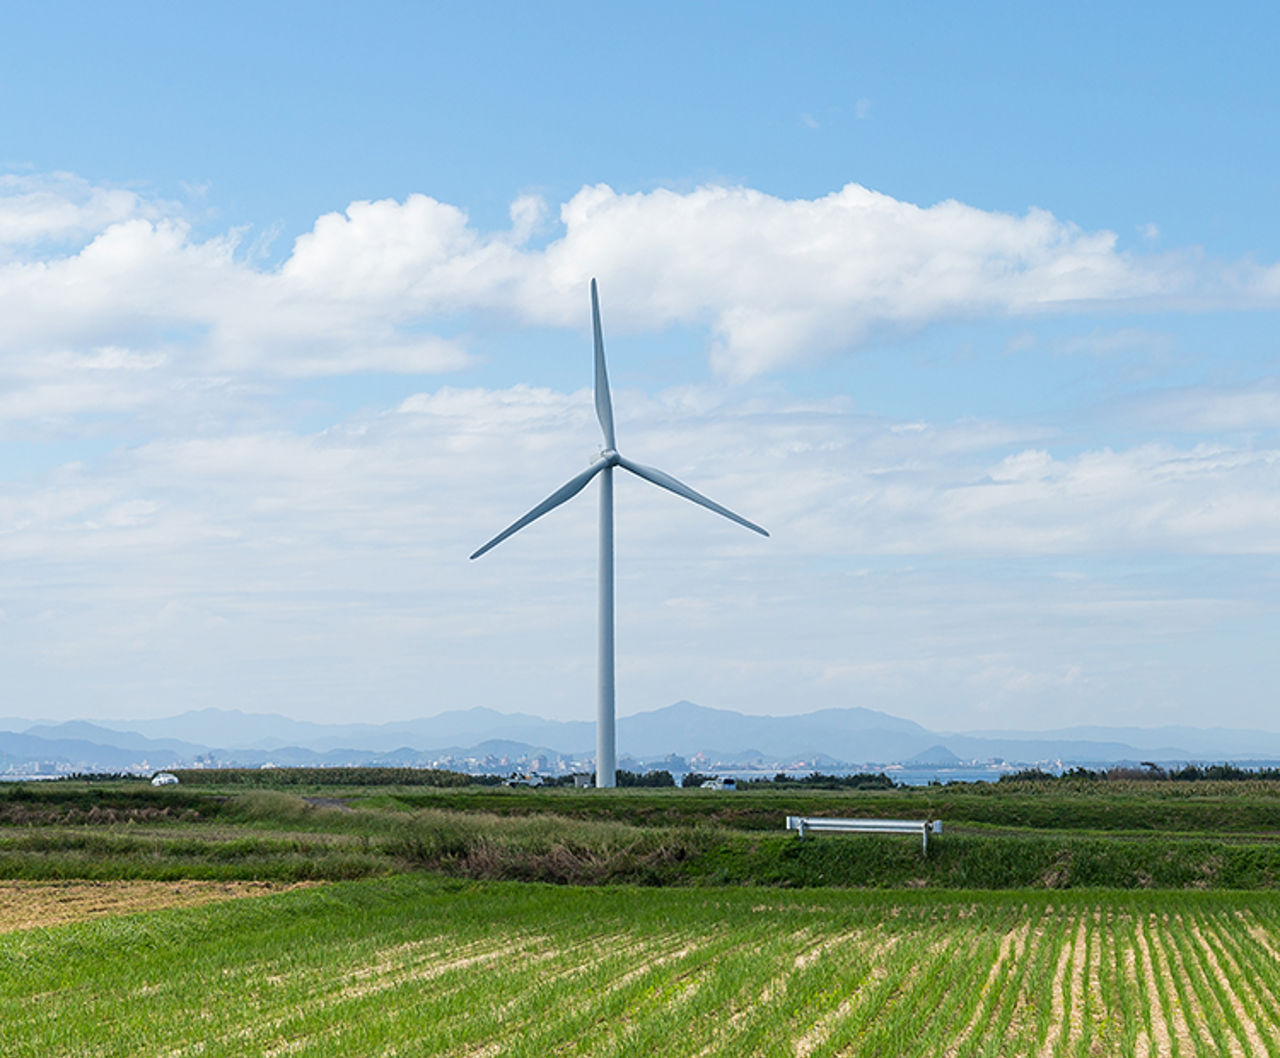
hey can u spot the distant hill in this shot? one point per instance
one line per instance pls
(935, 755)
(76, 754)
(84, 731)
(233, 729)
(1153, 742)
(824, 738)
(853, 734)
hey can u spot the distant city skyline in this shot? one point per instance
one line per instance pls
(974, 308)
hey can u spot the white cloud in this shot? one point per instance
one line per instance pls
(780, 281)
(528, 215)
(330, 565)
(1108, 342)
(1207, 499)
(448, 468)
(376, 287)
(201, 532)
(36, 209)
(1204, 408)
(148, 284)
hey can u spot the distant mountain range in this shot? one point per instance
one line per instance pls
(480, 737)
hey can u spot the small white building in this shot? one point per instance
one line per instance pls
(164, 778)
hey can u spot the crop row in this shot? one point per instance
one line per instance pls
(419, 967)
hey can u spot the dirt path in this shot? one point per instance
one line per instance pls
(30, 905)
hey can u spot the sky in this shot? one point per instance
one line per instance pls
(972, 306)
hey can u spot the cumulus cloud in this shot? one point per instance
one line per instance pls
(60, 207)
(382, 285)
(146, 283)
(776, 281)
(780, 281)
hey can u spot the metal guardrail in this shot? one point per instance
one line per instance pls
(924, 828)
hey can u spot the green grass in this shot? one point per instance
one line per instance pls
(1148, 807)
(995, 837)
(682, 922)
(424, 966)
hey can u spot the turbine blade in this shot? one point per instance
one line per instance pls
(604, 402)
(669, 483)
(565, 492)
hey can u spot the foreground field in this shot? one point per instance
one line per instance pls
(429, 967)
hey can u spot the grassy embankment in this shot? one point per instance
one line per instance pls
(1058, 835)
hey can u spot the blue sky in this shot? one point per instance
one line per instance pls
(973, 306)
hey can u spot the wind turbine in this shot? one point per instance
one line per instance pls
(606, 741)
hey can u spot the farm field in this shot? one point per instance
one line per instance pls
(1090, 918)
(418, 965)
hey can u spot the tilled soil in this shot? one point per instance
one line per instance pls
(30, 905)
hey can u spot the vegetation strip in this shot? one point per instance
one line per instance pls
(1056, 836)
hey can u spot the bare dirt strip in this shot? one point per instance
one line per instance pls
(1161, 1037)
(31, 905)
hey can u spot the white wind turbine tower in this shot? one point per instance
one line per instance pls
(606, 742)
